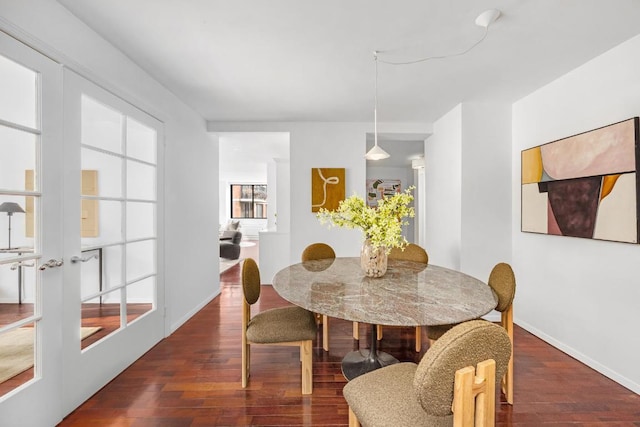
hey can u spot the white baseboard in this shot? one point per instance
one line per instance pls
(14, 300)
(620, 379)
(189, 315)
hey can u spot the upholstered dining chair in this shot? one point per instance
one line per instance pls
(320, 251)
(287, 326)
(429, 394)
(411, 252)
(503, 282)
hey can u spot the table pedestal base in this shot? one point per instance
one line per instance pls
(360, 362)
(356, 363)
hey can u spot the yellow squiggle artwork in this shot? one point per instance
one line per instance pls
(327, 188)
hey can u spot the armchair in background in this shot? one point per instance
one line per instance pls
(230, 244)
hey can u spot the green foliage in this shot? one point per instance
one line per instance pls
(381, 225)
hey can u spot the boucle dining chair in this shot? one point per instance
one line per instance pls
(503, 282)
(285, 326)
(313, 252)
(432, 393)
(411, 252)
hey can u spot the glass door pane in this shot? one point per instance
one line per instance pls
(19, 138)
(18, 87)
(118, 217)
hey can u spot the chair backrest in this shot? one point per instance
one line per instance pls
(466, 344)
(250, 281)
(228, 234)
(236, 238)
(411, 252)
(503, 282)
(317, 251)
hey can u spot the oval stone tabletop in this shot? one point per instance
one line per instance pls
(407, 295)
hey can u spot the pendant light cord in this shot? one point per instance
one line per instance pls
(375, 102)
(416, 61)
(485, 19)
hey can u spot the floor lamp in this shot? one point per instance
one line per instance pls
(10, 208)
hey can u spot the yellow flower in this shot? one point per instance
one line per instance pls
(381, 225)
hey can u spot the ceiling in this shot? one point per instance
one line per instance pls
(247, 152)
(304, 60)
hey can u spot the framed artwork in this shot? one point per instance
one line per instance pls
(584, 185)
(327, 188)
(379, 188)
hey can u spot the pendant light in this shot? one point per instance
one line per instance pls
(484, 20)
(376, 153)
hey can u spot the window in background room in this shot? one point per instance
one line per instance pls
(248, 201)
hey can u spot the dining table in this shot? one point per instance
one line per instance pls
(409, 294)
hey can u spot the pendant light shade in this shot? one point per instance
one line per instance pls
(376, 153)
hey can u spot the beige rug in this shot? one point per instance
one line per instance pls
(16, 350)
(226, 264)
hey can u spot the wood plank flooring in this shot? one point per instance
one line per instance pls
(106, 316)
(192, 378)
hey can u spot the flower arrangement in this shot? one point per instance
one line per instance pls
(382, 226)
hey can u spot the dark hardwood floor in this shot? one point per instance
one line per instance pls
(192, 378)
(106, 316)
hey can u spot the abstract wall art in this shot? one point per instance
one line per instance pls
(379, 188)
(327, 188)
(584, 185)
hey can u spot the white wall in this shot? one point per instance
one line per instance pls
(281, 213)
(467, 188)
(326, 145)
(188, 233)
(272, 199)
(486, 187)
(443, 190)
(580, 295)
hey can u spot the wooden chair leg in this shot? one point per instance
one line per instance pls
(418, 339)
(306, 355)
(379, 332)
(325, 332)
(245, 363)
(353, 420)
(486, 400)
(507, 381)
(474, 395)
(356, 331)
(463, 406)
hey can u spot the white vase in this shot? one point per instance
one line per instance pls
(373, 260)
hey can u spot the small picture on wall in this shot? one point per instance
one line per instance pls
(379, 188)
(584, 185)
(327, 188)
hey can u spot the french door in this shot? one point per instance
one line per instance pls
(81, 291)
(113, 190)
(30, 235)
